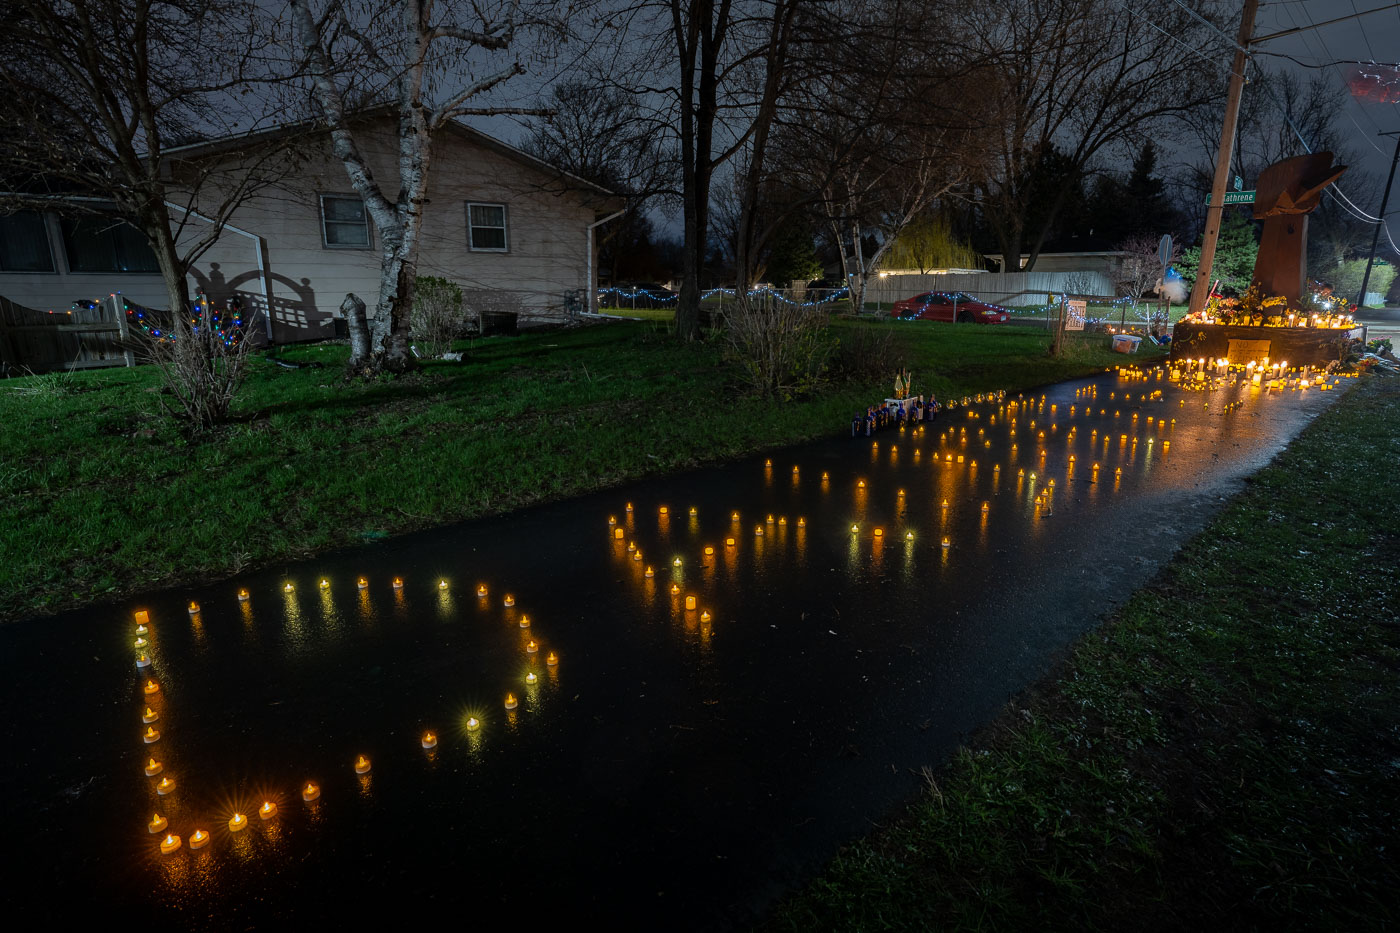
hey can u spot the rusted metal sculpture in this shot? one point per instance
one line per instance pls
(1287, 192)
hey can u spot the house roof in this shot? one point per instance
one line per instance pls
(234, 142)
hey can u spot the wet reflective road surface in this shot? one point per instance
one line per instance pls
(677, 767)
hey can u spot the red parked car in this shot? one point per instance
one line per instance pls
(949, 306)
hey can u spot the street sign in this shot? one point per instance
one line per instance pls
(1164, 249)
(1075, 314)
(1236, 197)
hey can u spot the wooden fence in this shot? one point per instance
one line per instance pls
(84, 338)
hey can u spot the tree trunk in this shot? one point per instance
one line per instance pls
(390, 330)
(353, 309)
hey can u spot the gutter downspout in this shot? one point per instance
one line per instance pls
(590, 278)
(259, 250)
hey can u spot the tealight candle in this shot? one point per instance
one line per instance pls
(199, 839)
(676, 562)
(709, 551)
(825, 475)
(157, 824)
(150, 688)
(532, 678)
(141, 630)
(267, 811)
(552, 660)
(142, 661)
(429, 740)
(169, 844)
(524, 621)
(473, 724)
(398, 583)
(141, 643)
(149, 715)
(782, 521)
(946, 542)
(618, 534)
(325, 584)
(194, 607)
(770, 519)
(629, 506)
(310, 792)
(362, 765)
(531, 647)
(649, 573)
(705, 615)
(165, 785)
(631, 546)
(664, 510)
(481, 590)
(909, 536)
(879, 532)
(511, 702)
(728, 542)
(694, 510)
(242, 598)
(153, 768)
(767, 463)
(855, 529)
(802, 523)
(734, 516)
(151, 736)
(986, 507)
(509, 601)
(758, 531)
(675, 589)
(237, 823)
(362, 583)
(612, 519)
(860, 484)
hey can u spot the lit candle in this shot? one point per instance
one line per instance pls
(398, 583)
(151, 736)
(237, 823)
(149, 715)
(802, 523)
(169, 844)
(946, 542)
(511, 702)
(153, 768)
(165, 785)
(531, 647)
(362, 765)
(157, 824)
(705, 615)
(879, 532)
(194, 607)
(985, 507)
(676, 562)
(664, 510)
(694, 510)
(267, 811)
(310, 792)
(287, 588)
(767, 463)
(728, 542)
(509, 601)
(142, 616)
(612, 519)
(675, 589)
(855, 529)
(141, 643)
(473, 724)
(552, 660)
(734, 516)
(629, 506)
(618, 534)
(325, 584)
(429, 740)
(142, 661)
(532, 678)
(690, 603)
(524, 621)
(481, 590)
(649, 573)
(758, 531)
(782, 520)
(150, 688)
(242, 598)
(199, 839)
(860, 484)
(362, 583)
(770, 519)
(442, 584)
(141, 630)
(709, 551)
(909, 536)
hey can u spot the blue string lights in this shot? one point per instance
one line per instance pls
(667, 298)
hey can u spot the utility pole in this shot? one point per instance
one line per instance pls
(1215, 211)
(1385, 200)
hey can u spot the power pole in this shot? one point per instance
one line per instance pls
(1216, 209)
(1385, 200)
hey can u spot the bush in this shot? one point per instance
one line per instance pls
(871, 353)
(782, 346)
(438, 316)
(203, 360)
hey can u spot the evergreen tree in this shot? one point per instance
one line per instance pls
(1235, 252)
(793, 256)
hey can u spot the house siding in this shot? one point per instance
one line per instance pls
(547, 237)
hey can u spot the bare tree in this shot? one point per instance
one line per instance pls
(433, 62)
(1077, 78)
(97, 93)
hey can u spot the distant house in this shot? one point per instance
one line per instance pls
(1106, 262)
(499, 222)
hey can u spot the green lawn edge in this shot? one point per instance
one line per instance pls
(1222, 753)
(103, 496)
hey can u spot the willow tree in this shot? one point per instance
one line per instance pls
(429, 62)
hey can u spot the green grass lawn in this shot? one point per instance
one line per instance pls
(1222, 754)
(102, 495)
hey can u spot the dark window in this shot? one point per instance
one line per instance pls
(105, 244)
(24, 243)
(343, 221)
(486, 226)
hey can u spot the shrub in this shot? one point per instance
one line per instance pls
(438, 317)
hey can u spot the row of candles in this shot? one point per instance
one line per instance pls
(311, 792)
(1255, 372)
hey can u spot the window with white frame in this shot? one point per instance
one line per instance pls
(344, 223)
(486, 227)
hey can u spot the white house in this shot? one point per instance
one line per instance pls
(499, 222)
